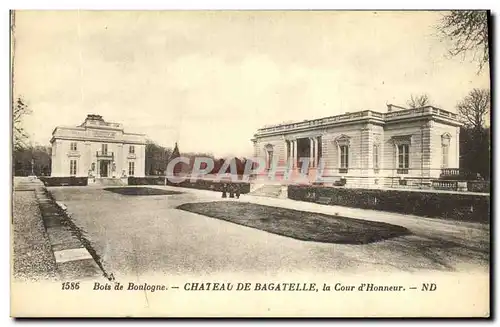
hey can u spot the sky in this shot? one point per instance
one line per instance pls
(208, 80)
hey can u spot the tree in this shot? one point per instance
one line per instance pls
(474, 109)
(468, 30)
(156, 158)
(179, 167)
(475, 136)
(19, 111)
(418, 101)
(39, 156)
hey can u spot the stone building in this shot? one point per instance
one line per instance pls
(98, 149)
(366, 148)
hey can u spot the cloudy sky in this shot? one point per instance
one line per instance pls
(209, 79)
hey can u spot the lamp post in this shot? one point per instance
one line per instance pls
(32, 166)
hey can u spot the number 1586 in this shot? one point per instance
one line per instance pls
(70, 286)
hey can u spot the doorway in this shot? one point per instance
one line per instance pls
(103, 167)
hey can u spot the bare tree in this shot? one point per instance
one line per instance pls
(418, 101)
(468, 30)
(19, 111)
(474, 109)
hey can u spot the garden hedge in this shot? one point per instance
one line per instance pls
(453, 206)
(479, 186)
(64, 181)
(198, 184)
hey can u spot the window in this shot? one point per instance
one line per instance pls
(445, 150)
(131, 168)
(73, 146)
(344, 156)
(269, 151)
(131, 149)
(343, 142)
(72, 167)
(376, 157)
(403, 156)
(269, 159)
(445, 147)
(402, 153)
(104, 149)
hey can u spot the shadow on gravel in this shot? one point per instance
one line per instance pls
(301, 225)
(139, 191)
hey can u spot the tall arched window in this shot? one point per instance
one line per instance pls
(376, 157)
(402, 144)
(445, 150)
(269, 155)
(343, 143)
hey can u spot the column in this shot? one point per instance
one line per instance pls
(295, 153)
(287, 150)
(311, 152)
(316, 154)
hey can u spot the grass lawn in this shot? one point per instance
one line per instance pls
(140, 191)
(302, 225)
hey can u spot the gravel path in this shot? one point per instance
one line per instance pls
(32, 256)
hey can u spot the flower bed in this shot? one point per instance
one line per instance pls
(64, 181)
(199, 184)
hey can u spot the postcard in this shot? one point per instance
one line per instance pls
(250, 163)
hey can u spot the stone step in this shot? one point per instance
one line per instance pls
(273, 191)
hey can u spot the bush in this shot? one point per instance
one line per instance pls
(199, 184)
(478, 186)
(64, 181)
(455, 206)
(150, 180)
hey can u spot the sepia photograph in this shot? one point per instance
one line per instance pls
(238, 163)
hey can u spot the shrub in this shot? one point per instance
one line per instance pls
(149, 180)
(64, 181)
(478, 186)
(456, 206)
(199, 184)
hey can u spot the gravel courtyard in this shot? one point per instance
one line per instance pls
(144, 234)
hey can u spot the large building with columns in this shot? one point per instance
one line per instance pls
(97, 148)
(402, 146)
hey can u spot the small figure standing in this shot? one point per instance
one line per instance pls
(224, 190)
(238, 191)
(231, 191)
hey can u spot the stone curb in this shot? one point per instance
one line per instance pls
(74, 261)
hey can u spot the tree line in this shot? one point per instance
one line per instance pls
(158, 157)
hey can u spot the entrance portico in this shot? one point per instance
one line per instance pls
(303, 147)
